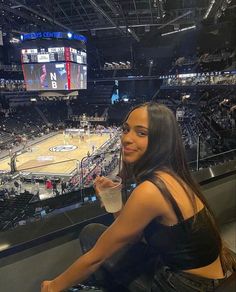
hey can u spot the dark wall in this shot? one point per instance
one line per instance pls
(218, 36)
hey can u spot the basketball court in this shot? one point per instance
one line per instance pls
(57, 155)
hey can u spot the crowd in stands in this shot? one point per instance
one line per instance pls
(195, 126)
(102, 163)
(194, 79)
(19, 125)
(102, 166)
(12, 85)
(221, 112)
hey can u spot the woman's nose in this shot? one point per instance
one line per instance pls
(127, 138)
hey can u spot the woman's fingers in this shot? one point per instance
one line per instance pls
(102, 181)
(98, 182)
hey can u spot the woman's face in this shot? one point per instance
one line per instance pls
(134, 138)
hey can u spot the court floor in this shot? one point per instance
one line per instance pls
(59, 154)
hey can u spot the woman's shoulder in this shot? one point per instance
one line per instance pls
(172, 179)
(149, 186)
(179, 190)
(166, 175)
(147, 193)
(175, 184)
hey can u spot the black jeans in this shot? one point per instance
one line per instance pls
(167, 280)
(134, 268)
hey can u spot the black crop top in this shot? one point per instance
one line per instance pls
(186, 245)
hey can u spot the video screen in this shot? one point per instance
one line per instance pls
(78, 76)
(45, 76)
(55, 76)
(55, 54)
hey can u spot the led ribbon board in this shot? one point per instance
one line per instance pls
(53, 35)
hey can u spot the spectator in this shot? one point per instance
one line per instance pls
(182, 243)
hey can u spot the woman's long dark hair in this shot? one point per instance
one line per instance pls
(165, 152)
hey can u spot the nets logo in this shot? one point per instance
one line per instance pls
(63, 148)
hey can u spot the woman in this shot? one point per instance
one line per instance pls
(181, 248)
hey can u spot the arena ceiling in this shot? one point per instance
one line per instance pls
(107, 18)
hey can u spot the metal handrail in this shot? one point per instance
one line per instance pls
(212, 156)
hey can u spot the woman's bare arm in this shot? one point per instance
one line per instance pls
(141, 207)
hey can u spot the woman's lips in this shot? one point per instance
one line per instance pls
(128, 150)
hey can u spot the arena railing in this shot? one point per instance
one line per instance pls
(212, 160)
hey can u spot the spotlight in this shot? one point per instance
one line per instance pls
(69, 34)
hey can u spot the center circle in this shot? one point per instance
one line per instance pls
(63, 148)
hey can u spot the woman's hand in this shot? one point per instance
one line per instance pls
(100, 182)
(47, 286)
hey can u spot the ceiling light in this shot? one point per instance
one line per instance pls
(16, 6)
(209, 9)
(182, 29)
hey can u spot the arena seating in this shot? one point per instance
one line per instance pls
(12, 210)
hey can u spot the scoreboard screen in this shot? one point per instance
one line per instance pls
(54, 76)
(54, 54)
(54, 68)
(76, 56)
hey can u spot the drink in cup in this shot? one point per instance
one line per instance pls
(110, 193)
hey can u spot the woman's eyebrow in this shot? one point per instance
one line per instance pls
(136, 126)
(140, 126)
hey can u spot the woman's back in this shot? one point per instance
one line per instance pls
(184, 236)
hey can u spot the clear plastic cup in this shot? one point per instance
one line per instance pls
(110, 193)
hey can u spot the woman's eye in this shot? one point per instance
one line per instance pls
(125, 129)
(142, 134)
